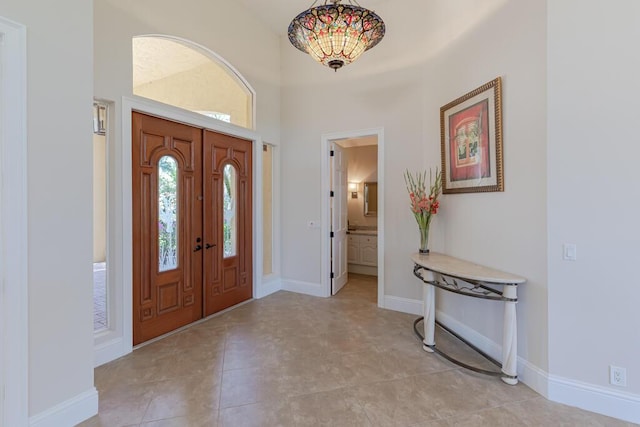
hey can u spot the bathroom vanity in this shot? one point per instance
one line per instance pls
(362, 251)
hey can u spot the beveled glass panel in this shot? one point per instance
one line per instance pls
(229, 203)
(167, 213)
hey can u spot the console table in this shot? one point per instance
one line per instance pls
(466, 278)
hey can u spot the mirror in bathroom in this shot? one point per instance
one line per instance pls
(370, 198)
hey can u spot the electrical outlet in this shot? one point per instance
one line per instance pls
(617, 376)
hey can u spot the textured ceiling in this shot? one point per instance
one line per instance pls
(156, 58)
(277, 14)
(416, 30)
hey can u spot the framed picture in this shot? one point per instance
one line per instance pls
(471, 141)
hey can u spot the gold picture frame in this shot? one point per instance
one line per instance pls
(471, 141)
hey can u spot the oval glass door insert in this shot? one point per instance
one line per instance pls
(167, 213)
(230, 196)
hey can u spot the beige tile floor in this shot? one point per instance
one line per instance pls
(295, 360)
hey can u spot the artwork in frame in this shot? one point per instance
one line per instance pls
(471, 141)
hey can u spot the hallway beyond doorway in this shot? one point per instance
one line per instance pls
(362, 287)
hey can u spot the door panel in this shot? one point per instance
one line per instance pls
(339, 224)
(228, 278)
(167, 223)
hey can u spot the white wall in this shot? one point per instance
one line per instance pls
(59, 157)
(352, 104)
(594, 191)
(503, 230)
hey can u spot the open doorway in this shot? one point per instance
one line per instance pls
(362, 216)
(362, 195)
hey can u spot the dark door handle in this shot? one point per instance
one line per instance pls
(208, 245)
(198, 247)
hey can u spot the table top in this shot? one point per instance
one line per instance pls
(452, 266)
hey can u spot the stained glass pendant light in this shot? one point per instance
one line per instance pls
(335, 34)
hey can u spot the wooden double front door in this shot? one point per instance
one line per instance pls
(192, 216)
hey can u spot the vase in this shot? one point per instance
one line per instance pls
(424, 240)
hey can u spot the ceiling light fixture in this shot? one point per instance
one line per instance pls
(335, 34)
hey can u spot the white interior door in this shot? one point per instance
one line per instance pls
(338, 219)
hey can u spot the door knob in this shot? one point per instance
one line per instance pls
(198, 247)
(208, 245)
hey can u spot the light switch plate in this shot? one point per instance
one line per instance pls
(569, 252)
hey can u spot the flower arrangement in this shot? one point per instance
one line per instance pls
(424, 205)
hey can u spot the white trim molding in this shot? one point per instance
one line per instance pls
(625, 406)
(589, 397)
(531, 375)
(404, 305)
(307, 288)
(13, 222)
(70, 412)
(268, 286)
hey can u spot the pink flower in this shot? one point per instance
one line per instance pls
(423, 204)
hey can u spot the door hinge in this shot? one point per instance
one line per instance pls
(331, 193)
(331, 234)
(331, 153)
(332, 274)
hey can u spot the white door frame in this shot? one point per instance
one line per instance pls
(121, 229)
(325, 220)
(14, 306)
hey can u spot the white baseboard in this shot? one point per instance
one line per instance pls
(68, 413)
(268, 287)
(592, 398)
(474, 337)
(107, 351)
(308, 288)
(529, 374)
(535, 378)
(362, 269)
(589, 397)
(625, 406)
(403, 305)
